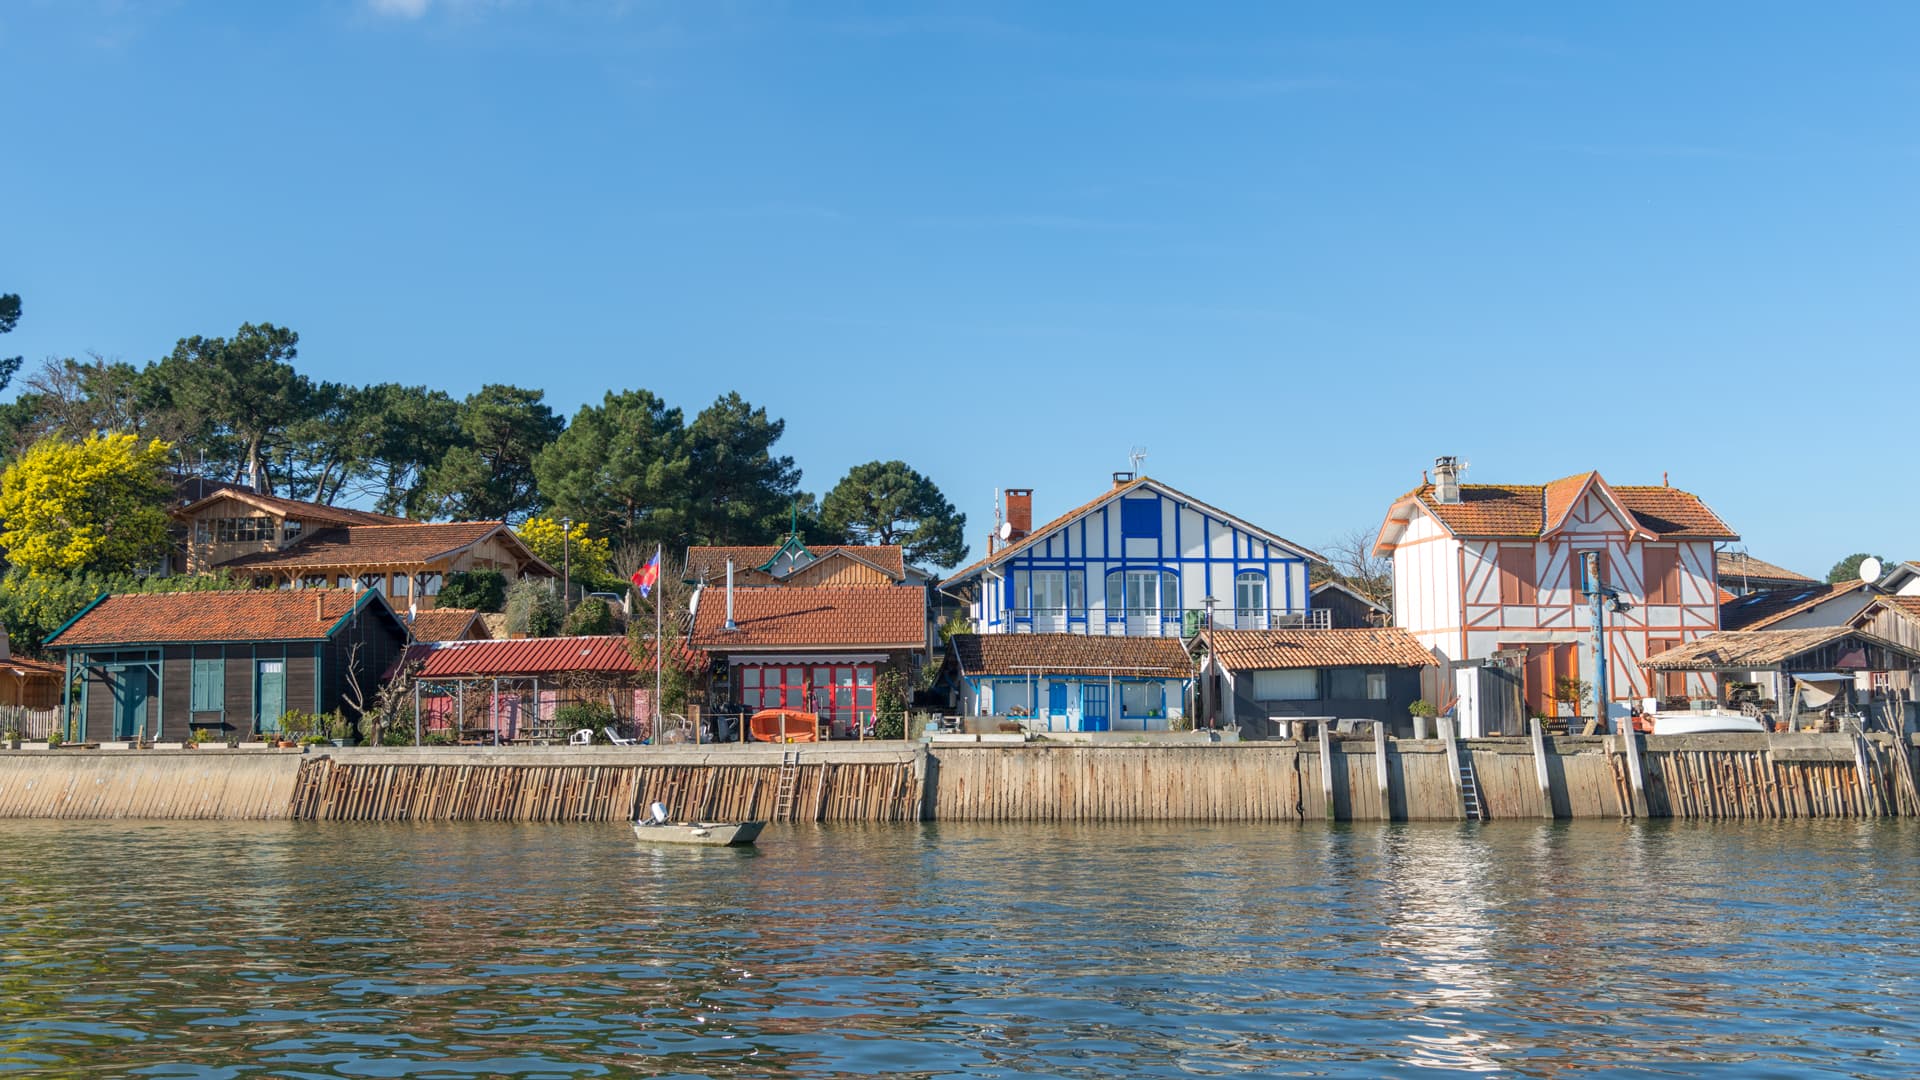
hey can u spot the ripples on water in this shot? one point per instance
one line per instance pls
(302, 950)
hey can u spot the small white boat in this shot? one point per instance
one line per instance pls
(714, 833)
(1704, 722)
(656, 829)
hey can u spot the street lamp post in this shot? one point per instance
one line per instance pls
(1208, 705)
(566, 565)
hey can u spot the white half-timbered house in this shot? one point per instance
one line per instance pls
(1139, 560)
(1480, 568)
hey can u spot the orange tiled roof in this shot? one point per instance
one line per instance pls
(33, 668)
(1070, 654)
(254, 615)
(1908, 604)
(709, 562)
(1735, 565)
(373, 546)
(448, 624)
(293, 508)
(1266, 650)
(841, 617)
(1523, 510)
(1764, 609)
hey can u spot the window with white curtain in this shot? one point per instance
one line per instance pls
(1293, 684)
(1250, 593)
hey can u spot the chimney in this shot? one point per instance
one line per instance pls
(1122, 479)
(731, 625)
(319, 606)
(1446, 480)
(1019, 512)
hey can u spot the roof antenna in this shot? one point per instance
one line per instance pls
(1137, 455)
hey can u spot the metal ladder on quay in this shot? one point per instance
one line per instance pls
(1470, 790)
(789, 787)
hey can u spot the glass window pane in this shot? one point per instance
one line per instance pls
(750, 676)
(1116, 595)
(1077, 591)
(1297, 684)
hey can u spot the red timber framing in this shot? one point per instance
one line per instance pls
(842, 694)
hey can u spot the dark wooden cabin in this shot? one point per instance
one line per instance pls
(157, 665)
(1265, 677)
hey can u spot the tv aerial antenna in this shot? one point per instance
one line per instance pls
(1137, 455)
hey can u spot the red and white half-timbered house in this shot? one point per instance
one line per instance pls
(1480, 568)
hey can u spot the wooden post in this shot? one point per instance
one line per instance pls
(1540, 769)
(1380, 769)
(1630, 746)
(1326, 767)
(1869, 799)
(1453, 767)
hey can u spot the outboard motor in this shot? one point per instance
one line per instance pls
(659, 812)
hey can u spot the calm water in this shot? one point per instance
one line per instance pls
(566, 951)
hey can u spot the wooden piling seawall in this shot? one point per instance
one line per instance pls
(838, 783)
(1715, 777)
(178, 785)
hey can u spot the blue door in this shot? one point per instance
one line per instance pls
(1093, 707)
(1056, 702)
(269, 694)
(130, 702)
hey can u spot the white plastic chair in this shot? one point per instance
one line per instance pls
(614, 737)
(583, 737)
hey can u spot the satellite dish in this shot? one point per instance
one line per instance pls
(1006, 530)
(1870, 569)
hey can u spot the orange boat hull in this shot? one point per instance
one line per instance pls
(785, 725)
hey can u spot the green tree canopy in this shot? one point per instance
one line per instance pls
(744, 490)
(233, 397)
(9, 318)
(487, 473)
(621, 468)
(94, 506)
(482, 590)
(886, 502)
(1848, 569)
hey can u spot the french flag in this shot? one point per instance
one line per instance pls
(649, 575)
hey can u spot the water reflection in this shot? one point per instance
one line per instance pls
(553, 951)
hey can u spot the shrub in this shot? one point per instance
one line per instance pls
(485, 590)
(533, 610)
(591, 715)
(1422, 707)
(590, 617)
(297, 725)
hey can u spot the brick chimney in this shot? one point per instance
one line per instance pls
(1019, 512)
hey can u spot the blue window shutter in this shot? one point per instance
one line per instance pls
(1139, 517)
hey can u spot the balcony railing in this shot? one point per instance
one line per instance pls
(1162, 622)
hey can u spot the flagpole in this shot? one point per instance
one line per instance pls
(657, 644)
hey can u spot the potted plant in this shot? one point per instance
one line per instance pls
(1423, 713)
(10, 739)
(54, 739)
(339, 729)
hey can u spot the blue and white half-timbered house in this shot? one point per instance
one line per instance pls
(1141, 560)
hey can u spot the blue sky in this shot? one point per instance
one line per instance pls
(1294, 251)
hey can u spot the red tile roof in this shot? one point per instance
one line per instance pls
(293, 508)
(709, 562)
(1267, 650)
(1130, 486)
(1524, 510)
(374, 547)
(254, 615)
(849, 617)
(34, 668)
(1070, 654)
(449, 624)
(605, 654)
(1762, 610)
(1738, 565)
